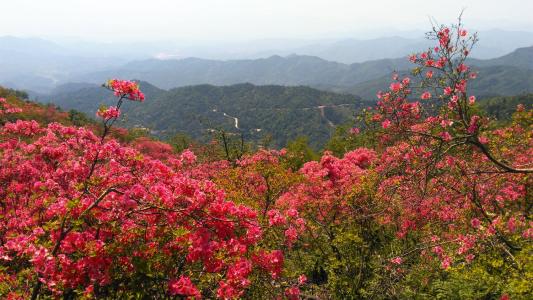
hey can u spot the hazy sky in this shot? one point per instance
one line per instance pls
(119, 20)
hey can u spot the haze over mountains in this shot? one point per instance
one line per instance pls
(40, 65)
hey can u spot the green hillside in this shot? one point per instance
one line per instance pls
(282, 112)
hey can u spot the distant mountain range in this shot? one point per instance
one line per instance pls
(492, 43)
(255, 111)
(40, 65)
(507, 75)
(291, 70)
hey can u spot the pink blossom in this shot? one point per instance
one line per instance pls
(183, 286)
(462, 68)
(395, 86)
(292, 293)
(446, 136)
(446, 262)
(125, 88)
(511, 224)
(291, 235)
(475, 222)
(473, 126)
(438, 250)
(425, 96)
(397, 260)
(505, 297)
(108, 113)
(354, 130)
(302, 279)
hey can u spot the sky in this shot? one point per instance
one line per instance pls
(202, 20)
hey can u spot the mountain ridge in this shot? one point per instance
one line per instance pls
(294, 70)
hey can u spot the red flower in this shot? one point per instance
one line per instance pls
(183, 286)
(395, 86)
(108, 113)
(462, 68)
(475, 223)
(386, 124)
(302, 279)
(124, 88)
(425, 96)
(397, 260)
(504, 297)
(293, 293)
(354, 131)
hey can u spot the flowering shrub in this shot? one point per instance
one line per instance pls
(453, 187)
(84, 215)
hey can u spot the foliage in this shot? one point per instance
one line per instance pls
(502, 108)
(298, 152)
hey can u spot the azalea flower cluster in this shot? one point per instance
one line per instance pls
(108, 113)
(125, 88)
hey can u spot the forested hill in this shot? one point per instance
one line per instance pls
(255, 111)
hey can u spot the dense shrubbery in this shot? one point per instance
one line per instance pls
(428, 201)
